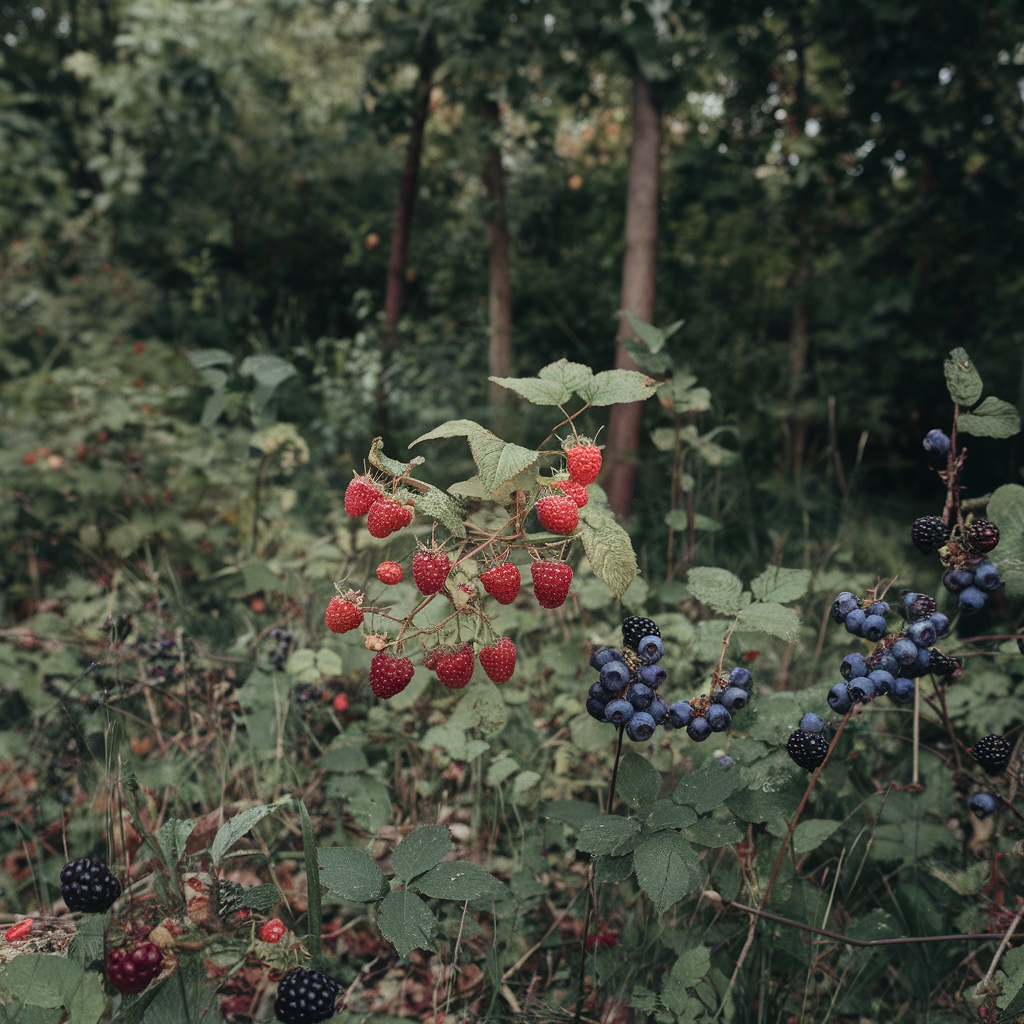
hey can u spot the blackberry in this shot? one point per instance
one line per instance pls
(88, 886)
(992, 752)
(305, 997)
(635, 628)
(807, 749)
(982, 536)
(929, 533)
(942, 665)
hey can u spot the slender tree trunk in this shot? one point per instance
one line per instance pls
(639, 275)
(499, 269)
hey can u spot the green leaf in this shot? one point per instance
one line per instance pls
(638, 781)
(346, 759)
(460, 880)
(171, 838)
(717, 588)
(606, 833)
(608, 548)
(525, 781)
(392, 467)
(668, 814)
(259, 897)
(650, 362)
(613, 870)
(810, 834)
(781, 585)
(962, 379)
(499, 770)
(614, 386)
(203, 358)
(993, 418)
(268, 370)
(707, 787)
(406, 922)
(1011, 984)
(773, 619)
(314, 889)
(575, 813)
(535, 390)
(328, 663)
(443, 508)
(1006, 510)
(234, 828)
(420, 850)
(713, 834)
(350, 875)
(571, 376)
(691, 966)
(652, 337)
(666, 869)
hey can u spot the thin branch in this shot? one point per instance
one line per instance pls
(982, 987)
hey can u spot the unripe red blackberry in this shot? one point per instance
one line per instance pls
(131, 968)
(992, 752)
(982, 536)
(929, 533)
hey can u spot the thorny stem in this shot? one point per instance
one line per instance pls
(982, 987)
(915, 778)
(940, 692)
(568, 419)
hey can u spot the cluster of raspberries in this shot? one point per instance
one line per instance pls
(625, 693)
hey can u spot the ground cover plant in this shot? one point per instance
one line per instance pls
(686, 799)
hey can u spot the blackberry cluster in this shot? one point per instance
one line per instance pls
(625, 694)
(88, 886)
(868, 622)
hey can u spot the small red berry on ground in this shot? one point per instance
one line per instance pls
(502, 582)
(551, 581)
(499, 660)
(558, 514)
(342, 615)
(390, 573)
(19, 931)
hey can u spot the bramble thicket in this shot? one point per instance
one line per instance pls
(399, 624)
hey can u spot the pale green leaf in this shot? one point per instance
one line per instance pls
(651, 336)
(608, 548)
(993, 418)
(203, 358)
(234, 828)
(451, 428)
(535, 390)
(460, 880)
(420, 850)
(393, 467)
(614, 386)
(268, 370)
(962, 379)
(406, 922)
(666, 869)
(773, 619)
(328, 662)
(501, 769)
(664, 438)
(717, 588)
(571, 376)
(781, 585)
(525, 781)
(350, 875)
(441, 507)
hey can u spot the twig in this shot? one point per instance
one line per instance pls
(455, 960)
(917, 736)
(615, 771)
(982, 986)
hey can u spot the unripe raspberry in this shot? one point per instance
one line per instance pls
(273, 930)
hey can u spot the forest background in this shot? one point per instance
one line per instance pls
(238, 241)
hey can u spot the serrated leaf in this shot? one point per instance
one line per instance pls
(612, 387)
(420, 850)
(406, 922)
(993, 418)
(773, 619)
(638, 781)
(572, 376)
(443, 508)
(650, 362)
(575, 813)
(606, 833)
(962, 379)
(259, 897)
(667, 814)
(717, 588)
(781, 585)
(608, 548)
(810, 834)
(666, 869)
(613, 870)
(234, 828)
(653, 337)
(350, 874)
(713, 834)
(171, 838)
(392, 467)
(691, 966)
(203, 358)
(460, 880)
(535, 389)
(268, 370)
(707, 787)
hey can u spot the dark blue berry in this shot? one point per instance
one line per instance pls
(595, 708)
(940, 623)
(725, 761)
(853, 665)
(603, 655)
(741, 677)
(922, 633)
(883, 681)
(658, 710)
(982, 804)
(640, 696)
(922, 665)
(972, 599)
(680, 714)
(879, 608)
(839, 699)
(698, 729)
(937, 443)
(812, 722)
(874, 628)
(640, 727)
(842, 606)
(618, 712)
(88, 886)
(957, 579)
(598, 693)
(718, 718)
(614, 676)
(855, 621)
(305, 997)
(651, 648)
(652, 675)
(733, 698)
(902, 690)
(986, 577)
(904, 651)
(861, 690)
(887, 663)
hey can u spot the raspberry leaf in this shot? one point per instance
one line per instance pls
(392, 467)
(607, 833)
(962, 379)
(638, 781)
(810, 834)
(781, 585)
(717, 588)
(421, 850)
(773, 619)
(993, 418)
(572, 376)
(614, 386)
(406, 922)
(608, 547)
(460, 880)
(446, 510)
(666, 868)
(1006, 510)
(350, 875)
(535, 390)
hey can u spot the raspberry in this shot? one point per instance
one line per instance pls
(635, 628)
(499, 660)
(88, 886)
(341, 703)
(502, 582)
(131, 968)
(584, 462)
(305, 997)
(455, 667)
(390, 573)
(360, 496)
(558, 514)
(551, 581)
(574, 490)
(344, 613)
(389, 675)
(272, 930)
(992, 752)
(982, 536)
(387, 517)
(929, 533)
(20, 931)
(430, 570)
(807, 749)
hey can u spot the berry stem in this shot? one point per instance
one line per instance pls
(615, 771)
(568, 420)
(940, 693)
(915, 777)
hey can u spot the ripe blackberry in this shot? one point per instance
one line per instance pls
(808, 749)
(305, 997)
(992, 752)
(942, 665)
(88, 886)
(929, 533)
(982, 536)
(635, 628)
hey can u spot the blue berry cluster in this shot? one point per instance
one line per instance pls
(972, 583)
(625, 693)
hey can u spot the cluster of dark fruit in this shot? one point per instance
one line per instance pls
(280, 653)
(625, 694)
(992, 753)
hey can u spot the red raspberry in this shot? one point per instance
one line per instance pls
(272, 930)
(360, 496)
(551, 581)
(344, 614)
(389, 675)
(341, 703)
(584, 462)
(387, 517)
(131, 968)
(558, 514)
(390, 573)
(430, 570)
(499, 660)
(19, 931)
(502, 582)
(455, 667)
(574, 490)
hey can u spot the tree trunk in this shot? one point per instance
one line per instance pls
(639, 275)
(395, 292)
(499, 269)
